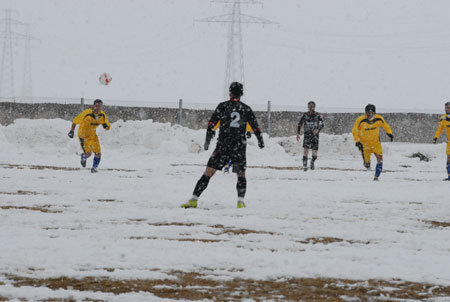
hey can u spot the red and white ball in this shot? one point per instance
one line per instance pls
(105, 78)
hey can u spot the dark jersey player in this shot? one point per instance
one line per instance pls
(233, 116)
(312, 123)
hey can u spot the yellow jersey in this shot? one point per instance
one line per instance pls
(367, 131)
(89, 121)
(444, 123)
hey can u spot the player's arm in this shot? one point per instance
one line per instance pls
(355, 132)
(213, 122)
(320, 123)
(256, 130)
(106, 125)
(439, 130)
(299, 126)
(388, 129)
(76, 121)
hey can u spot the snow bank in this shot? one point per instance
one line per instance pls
(148, 137)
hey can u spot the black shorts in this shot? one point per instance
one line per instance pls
(311, 142)
(221, 156)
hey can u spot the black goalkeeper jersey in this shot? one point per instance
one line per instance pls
(233, 116)
(310, 122)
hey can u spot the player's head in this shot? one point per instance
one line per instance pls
(236, 90)
(311, 106)
(370, 110)
(97, 106)
(447, 108)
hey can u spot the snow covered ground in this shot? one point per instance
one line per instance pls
(125, 222)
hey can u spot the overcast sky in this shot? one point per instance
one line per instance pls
(340, 53)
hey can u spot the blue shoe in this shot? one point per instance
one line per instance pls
(94, 170)
(83, 160)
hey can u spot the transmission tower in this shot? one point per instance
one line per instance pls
(7, 68)
(7, 87)
(27, 84)
(234, 66)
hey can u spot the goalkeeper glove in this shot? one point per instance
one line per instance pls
(390, 136)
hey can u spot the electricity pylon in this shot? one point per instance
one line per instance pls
(7, 86)
(234, 66)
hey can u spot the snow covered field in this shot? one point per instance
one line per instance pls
(332, 234)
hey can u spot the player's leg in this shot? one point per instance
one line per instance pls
(239, 159)
(366, 152)
(215, 162)
(379, 155)
(203, 182)
(448, 161)
(86, 152)
(315, 150)
(239, 167)
(95, 144)
(305, 157)
(241, 188)
(306, 146)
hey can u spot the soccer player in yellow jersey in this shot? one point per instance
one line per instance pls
(89, 120)
(444, 123)
(367, 137)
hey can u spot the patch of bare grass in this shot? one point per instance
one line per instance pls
(196, 286)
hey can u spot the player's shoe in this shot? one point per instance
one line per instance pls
(312, 167)
(192, 203)
(83, 160)
(375, 178)
(94, 170)
(447, 179)
(240, 204)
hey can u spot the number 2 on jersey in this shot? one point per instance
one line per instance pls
(235, 117)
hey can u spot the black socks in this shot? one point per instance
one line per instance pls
(201, 185)
(241, 186)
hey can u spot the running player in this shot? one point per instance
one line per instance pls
(233, 116)
(89, 120)
(367, 137)
(444, 122)
(313, 123)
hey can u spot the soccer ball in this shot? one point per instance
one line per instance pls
(105, 78)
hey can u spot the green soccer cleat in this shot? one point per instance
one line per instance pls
(240, 204)
(192, 203)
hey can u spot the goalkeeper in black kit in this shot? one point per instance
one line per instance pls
(313, 123)
(233, 116)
